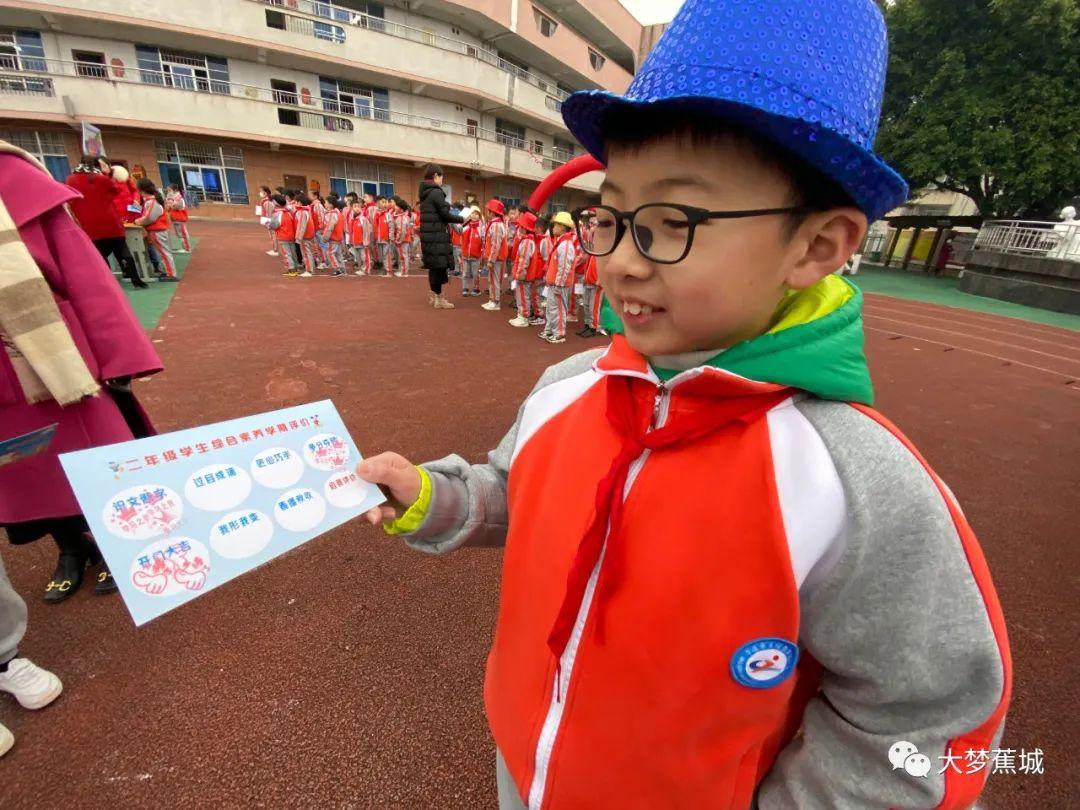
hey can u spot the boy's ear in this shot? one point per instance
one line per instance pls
(823, 243)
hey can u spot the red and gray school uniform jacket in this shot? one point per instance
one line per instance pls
(333, 225)
(472, 240)
(560, 267)
(283, 224)
(154, 216)
(545, 245)
(362, 231)
(495, 248)
(178, 207)
(348, 216)
(733, 585)
(305, 223)
(525, 255)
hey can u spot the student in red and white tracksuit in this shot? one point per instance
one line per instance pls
(472, 245)
(414, 218)
(176, 206)
(560, 278)
(360, 238)
(155, 222)
(496, 249)
(305, 233)
(592, 299)
(283, 223)
(318, 214)
(332, 234)
(455, 244)
(401, 234)
(348, 214)
(265, 212)
(526, 258)
(545, 244)
(384, 249)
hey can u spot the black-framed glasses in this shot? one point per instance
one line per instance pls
(663, 232)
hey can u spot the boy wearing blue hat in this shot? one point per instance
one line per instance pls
(728, 582)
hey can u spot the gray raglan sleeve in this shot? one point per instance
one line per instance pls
(468, 501)
(902, 631)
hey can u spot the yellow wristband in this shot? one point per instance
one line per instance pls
(415, 514)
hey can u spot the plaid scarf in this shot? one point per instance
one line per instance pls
(47, 363)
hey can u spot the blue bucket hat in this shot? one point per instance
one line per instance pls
(805, 74)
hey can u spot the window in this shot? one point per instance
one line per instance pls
(209, 171)
(328, 32)
(275, 19)
(471, 126)
(362, 177)
(509, 134)
(564, 150)
(538, 146)
(285, 93)
(512, 65)
(22, 50)
(48, 146)
(183, 70)
(90, 64)
(546, 25)
(559, 201)
(352, 98)
(509, 193)
(596, 60)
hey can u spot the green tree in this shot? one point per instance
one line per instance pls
(983, 98)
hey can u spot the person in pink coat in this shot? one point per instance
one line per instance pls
(35, 497)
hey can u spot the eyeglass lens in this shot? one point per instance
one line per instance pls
(661, 232)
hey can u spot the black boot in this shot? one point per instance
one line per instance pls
(105, 583)
(75, 551)
(66, 579)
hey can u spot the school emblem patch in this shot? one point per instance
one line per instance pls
(764, 662)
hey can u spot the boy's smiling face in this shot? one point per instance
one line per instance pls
(728, 287)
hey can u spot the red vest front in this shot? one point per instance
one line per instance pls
(337, 233)
(472, 240)
(286, 232)
(382, 226)
(652, 715)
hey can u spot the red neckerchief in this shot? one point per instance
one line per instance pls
(633, 426)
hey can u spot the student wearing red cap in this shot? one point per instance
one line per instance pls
(496, 249)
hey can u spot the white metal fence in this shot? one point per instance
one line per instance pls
(1028, 238)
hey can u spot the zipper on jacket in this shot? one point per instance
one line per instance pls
(658, 403)
(560, 686)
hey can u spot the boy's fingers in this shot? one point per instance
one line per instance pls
(380, 514)
(394, 472)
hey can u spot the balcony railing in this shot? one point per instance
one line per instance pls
(1047, 239)
(321, 114)
(345, 16)
(25, 85)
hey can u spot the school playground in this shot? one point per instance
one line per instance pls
(349, 672)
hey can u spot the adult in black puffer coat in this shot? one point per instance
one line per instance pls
(435, 221)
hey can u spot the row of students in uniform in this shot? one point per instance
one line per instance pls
(371, 233)
(541, 260)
